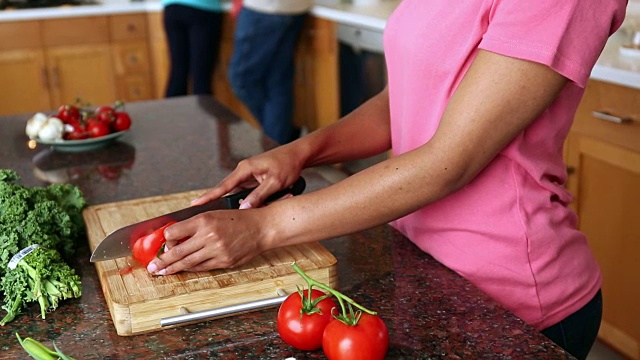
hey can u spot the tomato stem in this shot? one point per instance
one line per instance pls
(347, 317)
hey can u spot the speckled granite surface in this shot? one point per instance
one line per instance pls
(191, 143)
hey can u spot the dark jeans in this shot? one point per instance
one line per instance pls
(194, 42)
(577, 333)
(261, 71)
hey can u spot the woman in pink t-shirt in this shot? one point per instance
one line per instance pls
(480, 98)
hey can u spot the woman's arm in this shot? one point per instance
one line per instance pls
(362, 133)
(497, 99)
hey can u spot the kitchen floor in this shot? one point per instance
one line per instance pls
(599, 351)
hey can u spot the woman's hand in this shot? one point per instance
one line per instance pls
(273, 171)
(214, 240)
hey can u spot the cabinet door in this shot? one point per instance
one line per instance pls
(159, 53)
(605, 180)
(132, 71)
(84, 72)
(24, 79)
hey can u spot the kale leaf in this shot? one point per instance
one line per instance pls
(50, 217)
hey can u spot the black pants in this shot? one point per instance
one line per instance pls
(194, 43)
(577, 333)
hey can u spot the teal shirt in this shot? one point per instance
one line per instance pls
(210, 5)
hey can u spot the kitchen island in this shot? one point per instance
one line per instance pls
(191, 143)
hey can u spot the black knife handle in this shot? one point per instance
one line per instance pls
(233, 200)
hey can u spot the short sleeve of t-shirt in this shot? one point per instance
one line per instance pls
(566, 35)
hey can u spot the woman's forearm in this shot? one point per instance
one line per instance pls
(362, 133)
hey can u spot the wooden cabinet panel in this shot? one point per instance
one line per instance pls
(606, 185)
(75, 31)
(20, 35)
(81, 72)
(134, 88)
(159, 53)
(128, 27)
(603, 158)
(24, 78)
(603, 98)
(130, 57)
(132, 71)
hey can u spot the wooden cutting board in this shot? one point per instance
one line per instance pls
(138, 301)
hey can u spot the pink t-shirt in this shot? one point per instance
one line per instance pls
(509, 231)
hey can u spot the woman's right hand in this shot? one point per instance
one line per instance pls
(273, 171)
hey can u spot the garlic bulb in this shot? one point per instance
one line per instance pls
(52, 129)
(35, 124)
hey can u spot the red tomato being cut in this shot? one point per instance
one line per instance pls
(368, 340)
(303, 329)
(146, 248)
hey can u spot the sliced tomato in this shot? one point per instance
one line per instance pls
(146, 248)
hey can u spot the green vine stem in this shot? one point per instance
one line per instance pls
(347, 317)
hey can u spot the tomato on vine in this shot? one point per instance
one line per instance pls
(302, 318)
(352, 334)
(366, 339)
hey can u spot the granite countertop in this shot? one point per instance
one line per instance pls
(191, 143)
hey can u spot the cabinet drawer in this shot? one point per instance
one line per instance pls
(128, 27)
(602, 108)
(130, 58)
(20, 35)
(75, 31)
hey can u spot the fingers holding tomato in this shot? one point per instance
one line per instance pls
(147, 248)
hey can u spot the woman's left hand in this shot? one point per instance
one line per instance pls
(213, 240)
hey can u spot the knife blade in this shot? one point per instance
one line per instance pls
(118, 243)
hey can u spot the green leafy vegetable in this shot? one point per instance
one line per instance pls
(50, 217)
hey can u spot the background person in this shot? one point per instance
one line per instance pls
(193, 29)
(262, 66)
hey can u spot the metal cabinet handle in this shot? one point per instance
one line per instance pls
(223, 311)
(602, 115)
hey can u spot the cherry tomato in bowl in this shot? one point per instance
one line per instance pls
(121, 122)
(97, 128)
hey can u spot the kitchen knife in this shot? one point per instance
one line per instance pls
(118, 243)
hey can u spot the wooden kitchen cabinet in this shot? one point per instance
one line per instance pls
(99, 59)
(131, 57)
(83, 72)
(604, 162)
(22, 68)
(79, 61)
(24, 78)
